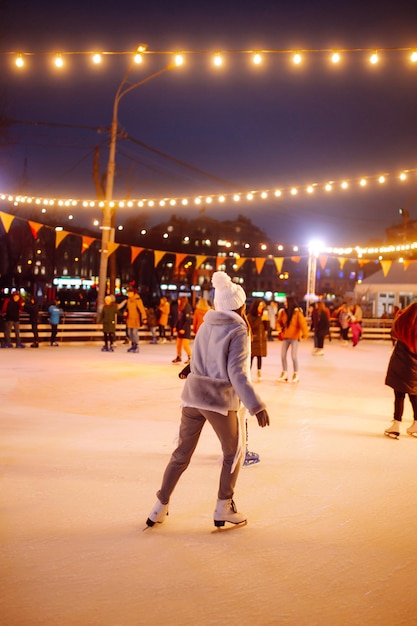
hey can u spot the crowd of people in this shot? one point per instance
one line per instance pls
(227, 340)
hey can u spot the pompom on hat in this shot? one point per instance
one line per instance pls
(228, 296)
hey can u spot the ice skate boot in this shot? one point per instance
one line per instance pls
(104, 349)
(158, 514)
(413, 429)
(283, 378)
(251, 458)
(226, 512)
(259, 375)
(295, 378)
(394, 430)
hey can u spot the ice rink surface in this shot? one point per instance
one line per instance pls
(332, 506)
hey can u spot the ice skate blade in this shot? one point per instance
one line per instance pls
(392, 435)
(412, 434)
(223, 528)
(247, 462)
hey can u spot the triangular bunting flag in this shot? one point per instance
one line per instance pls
(259, 262)
(199, 260)
(60, 236)
(386, 266)
(7, 220)
(134, 253)
(86, 243)
(157, 255)
(239, 262)
(35, 228)
(179, 258)
(296, 259)
(279, 260)
(219, 261)
(111, 247)
(342, 261)
(407, 264)
(323, 261)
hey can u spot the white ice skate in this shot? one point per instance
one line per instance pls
(394, 430)
(283, 378)
(158, 514)
(413, 429)
(226, 512)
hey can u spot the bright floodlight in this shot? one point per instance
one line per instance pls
(315, 246)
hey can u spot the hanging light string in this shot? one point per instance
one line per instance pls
(297, 57)
(273, 193)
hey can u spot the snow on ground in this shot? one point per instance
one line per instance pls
(331, 507)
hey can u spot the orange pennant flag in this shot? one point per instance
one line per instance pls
(7, 220)
(219, 261)
(111, 247)
(259, 262)
(386, 266)
(296, 259)
(86, 243)
(179, 258)
(279, 260)
(157, 255)
(134, 253)
(35, 228)
(60, 236)
(407, 264)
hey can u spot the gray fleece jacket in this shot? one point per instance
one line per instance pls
(219, 366)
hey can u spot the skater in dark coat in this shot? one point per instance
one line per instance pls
(32, 307)
(218, 382)
(259, 324)
(402, 369)
(108, 317)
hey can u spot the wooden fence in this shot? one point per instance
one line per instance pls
(82, 327)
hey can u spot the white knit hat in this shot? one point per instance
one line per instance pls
(228, 296)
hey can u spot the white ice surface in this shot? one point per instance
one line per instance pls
(331, 507)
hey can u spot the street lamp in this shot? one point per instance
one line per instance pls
(107, 226)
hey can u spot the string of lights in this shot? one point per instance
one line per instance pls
(272, 193)
(257, 57)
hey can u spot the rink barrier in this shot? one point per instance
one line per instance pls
(82, 327)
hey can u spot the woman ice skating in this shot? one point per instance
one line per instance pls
(217, 384)
(292, 325)
(402, 369)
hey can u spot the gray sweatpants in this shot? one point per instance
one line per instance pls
(192, 421)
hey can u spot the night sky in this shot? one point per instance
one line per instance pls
(244, 127)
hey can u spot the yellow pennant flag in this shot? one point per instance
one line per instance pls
(60, 236)
(279, 260)
(157, 256)
(199, 260)
(386, 266)
(323, 261)
(240, 261)
(7, 220)
(111, 247)
(342, 261)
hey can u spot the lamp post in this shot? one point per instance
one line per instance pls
(107, 226)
